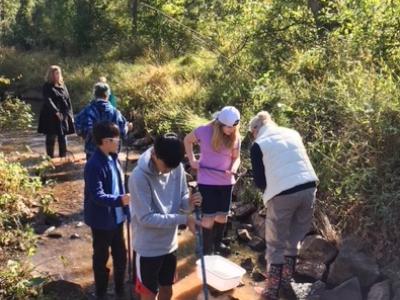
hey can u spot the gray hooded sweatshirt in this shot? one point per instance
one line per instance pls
(157, 201)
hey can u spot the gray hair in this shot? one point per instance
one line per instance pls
(101, 90)
(261, 119)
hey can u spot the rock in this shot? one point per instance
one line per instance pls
(244, 235)
(396, 295)
(257, 244)
(353, 263)
(52, 220)
(74, 236)
(349, 289)
(248, 227)
(62, 289)
(55, 235)
(317, 288)
(244, 211)
(247, 264)
(316, 248)
(49, 229)
(380, 291)
(41, 228)
(257, 276)
(310, 268)
(258, 223)
(261, 261)
(79, 224)
(302, 290)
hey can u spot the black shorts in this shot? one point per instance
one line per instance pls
(152, 272)
(216, 199)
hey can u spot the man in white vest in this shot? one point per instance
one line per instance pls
(282, 169)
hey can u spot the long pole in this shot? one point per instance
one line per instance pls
(199, 247)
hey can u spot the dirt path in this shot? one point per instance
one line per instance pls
(67, 255)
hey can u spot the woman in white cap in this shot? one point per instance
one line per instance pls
(219, 143)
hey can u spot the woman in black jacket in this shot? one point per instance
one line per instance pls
(56, 117)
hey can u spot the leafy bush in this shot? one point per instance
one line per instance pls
(15, 115)
(18, 193)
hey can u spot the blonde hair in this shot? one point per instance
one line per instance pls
(49, 75)
(220, 139)
(261, 119)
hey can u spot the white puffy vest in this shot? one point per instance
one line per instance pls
(285, 159)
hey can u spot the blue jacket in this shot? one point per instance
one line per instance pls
(99, 202)
(96, 111)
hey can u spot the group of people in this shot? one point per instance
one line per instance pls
(159, 200)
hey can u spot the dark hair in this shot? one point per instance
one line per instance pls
(105, 129)
(169, 148)
(101, 90)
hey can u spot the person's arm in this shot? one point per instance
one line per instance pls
(122, 124)
(94, 182)
(258, 166)
(235, 160)
(141, 200)
(47, 95)
(185, 204)
(189, 140)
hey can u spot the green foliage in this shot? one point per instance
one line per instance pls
(18, 193)
(15, 115)
(327, 68)
(16, 282)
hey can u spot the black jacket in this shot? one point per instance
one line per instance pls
(56, 99)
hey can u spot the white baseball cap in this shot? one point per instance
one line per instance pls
(229, 116)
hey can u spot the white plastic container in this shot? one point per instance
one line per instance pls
(221, 273)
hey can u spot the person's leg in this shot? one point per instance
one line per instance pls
(208, 209)
(224, 203)
(279, 214)
(62, 145)
(118, 252)
(50, 141)
(147, 274)
(300, 225)
(301, 221)
(101, 244)
(167, 276)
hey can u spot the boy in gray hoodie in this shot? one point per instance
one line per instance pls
(159, 196)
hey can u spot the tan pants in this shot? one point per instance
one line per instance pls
(288, 220)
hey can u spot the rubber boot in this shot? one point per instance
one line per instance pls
(219, 246)
(208, 238)
(273, 282)
(286, 291)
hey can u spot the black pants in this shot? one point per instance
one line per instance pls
(102, 241)
(62, 144)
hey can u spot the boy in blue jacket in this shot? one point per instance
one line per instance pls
(105, 205)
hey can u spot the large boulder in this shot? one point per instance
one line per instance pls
(258, 222)
(348, 290)
(244, 211)
(62, 289)
(352, 262)
(311, 268)
(380, 291)
(316, 248)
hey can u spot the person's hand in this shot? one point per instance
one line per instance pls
(191, 224)
(130, 126)
(195, 199)
(126, 199)
(59, 115)
(195, 164)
